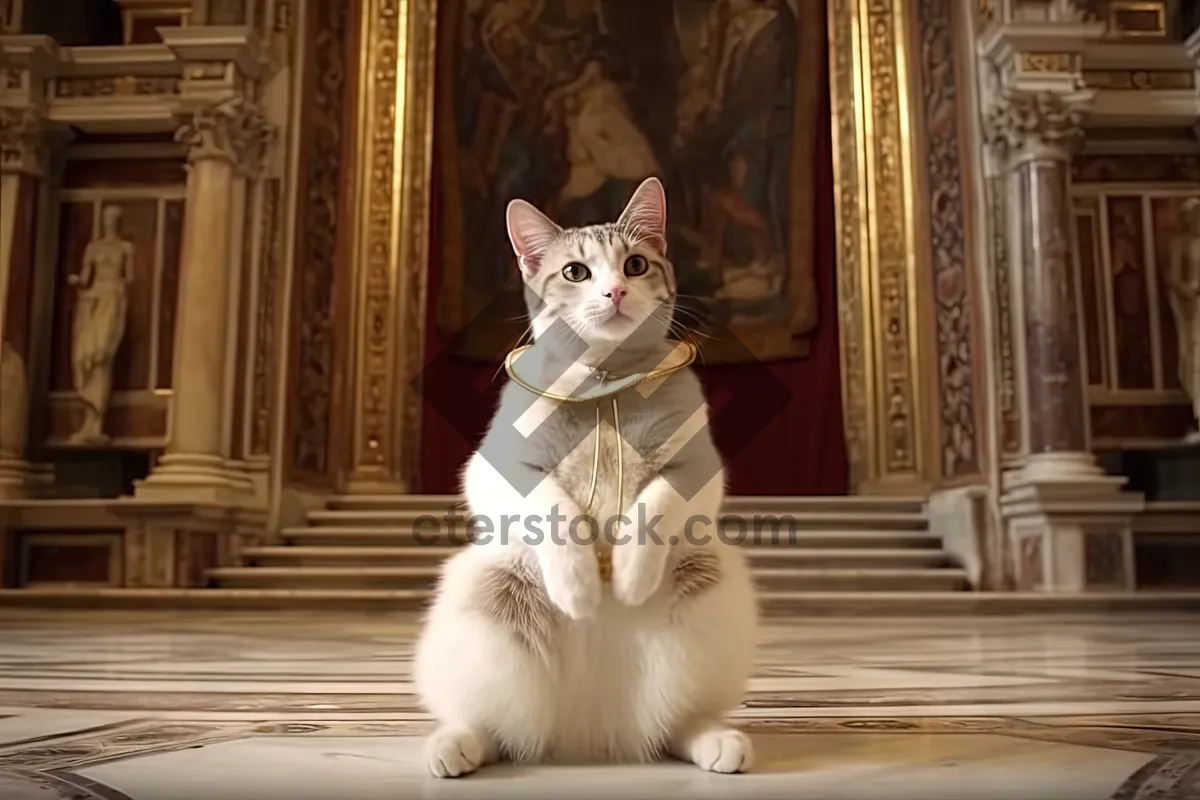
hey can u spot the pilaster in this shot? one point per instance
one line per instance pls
(226, 143)
(28, 144)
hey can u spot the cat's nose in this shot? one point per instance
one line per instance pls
(616, 294)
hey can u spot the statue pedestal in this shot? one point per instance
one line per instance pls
(1164, 474)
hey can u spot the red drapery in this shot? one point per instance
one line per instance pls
(801, 450)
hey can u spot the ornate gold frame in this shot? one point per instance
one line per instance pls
(881, 366)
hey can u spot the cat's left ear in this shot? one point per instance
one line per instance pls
(531, 233)
(646, 214)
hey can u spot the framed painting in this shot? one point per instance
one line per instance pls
(571, 103)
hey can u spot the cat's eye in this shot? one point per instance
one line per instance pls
(576, 272)
(635, 266)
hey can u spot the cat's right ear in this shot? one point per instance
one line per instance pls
(531, 233)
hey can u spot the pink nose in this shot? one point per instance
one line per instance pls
(616, 294)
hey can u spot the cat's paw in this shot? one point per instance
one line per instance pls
(573, 583)
(723, 750)
(453, 752)
(637, 572)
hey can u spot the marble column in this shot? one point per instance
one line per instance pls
(1037, 133)
(21, 173)
(224, 143)
(1067, 523)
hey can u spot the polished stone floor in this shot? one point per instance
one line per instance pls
(192, 706)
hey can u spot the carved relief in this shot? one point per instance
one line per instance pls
(263, 380)
(1031, 561)
(317, 244)
(1149, 168)
(21, 144)
(227, 12)
(1104, 559)
(1009, 403)
(1023, 119)
(235, 131)
(893, 246)
(99, 322)
(947, 221)
(392, 280)
(124, 86)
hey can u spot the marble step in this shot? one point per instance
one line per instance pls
(910, 605)
(755, 519)
(336, 556)
(423, 577)
(815, 538)
(735, 504)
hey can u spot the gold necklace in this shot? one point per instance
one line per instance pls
(604, 377)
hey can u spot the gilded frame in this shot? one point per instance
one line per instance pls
(877, 243)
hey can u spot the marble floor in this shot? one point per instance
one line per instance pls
(193, 706)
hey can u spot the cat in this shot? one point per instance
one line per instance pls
(532, 650)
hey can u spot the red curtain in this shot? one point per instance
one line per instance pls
(801, 450)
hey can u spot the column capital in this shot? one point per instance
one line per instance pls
(1038, 124)
(235, 131)
(23, 141)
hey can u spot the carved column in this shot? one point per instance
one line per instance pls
(224, 142)
(22, 164)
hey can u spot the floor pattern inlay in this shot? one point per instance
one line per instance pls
(183, 706)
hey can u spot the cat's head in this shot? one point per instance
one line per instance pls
(611, 283)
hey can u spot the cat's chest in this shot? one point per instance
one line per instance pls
(603, 459)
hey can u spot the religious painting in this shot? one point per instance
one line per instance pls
(571, 103)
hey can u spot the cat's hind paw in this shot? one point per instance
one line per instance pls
(453, 752)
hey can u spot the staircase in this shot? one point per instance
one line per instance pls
(364, 547)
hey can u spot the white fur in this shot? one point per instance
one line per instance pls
(624, 672)
(632, 673)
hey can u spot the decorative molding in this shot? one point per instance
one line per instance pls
(321, 198)
(1009, 404)
(235, 131)
(952, 283)
(870, 51)
(265, 333)
(1040, 121)
(853, 283)
(115, 86)
(396, 84)
(22, 143)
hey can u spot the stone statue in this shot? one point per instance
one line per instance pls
(99, 324)
(1183, 293)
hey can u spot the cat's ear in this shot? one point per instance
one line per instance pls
(646, 214)
(530, 232)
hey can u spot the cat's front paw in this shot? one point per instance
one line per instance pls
(573, 583)
(453, 752)
(637, 572)
(723, 750)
